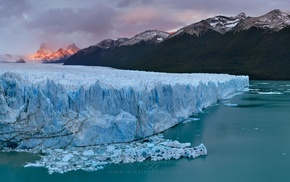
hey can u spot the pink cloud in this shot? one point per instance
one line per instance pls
(191, 16)
(136, 16)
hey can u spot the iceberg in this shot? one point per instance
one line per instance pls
(56, 106)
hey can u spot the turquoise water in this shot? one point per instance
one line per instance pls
(247, 139)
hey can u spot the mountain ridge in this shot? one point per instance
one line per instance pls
(219, 45)
(8, 58)
(47, 55)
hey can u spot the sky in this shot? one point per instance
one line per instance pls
(25, 24)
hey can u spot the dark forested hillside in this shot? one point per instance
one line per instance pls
(255, 52)
(259, 53)
(122, 57)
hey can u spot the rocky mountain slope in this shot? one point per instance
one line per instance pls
(126, 49)
(256, 46)
(221, 24)
(275, 20)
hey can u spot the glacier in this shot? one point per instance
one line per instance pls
(56, 106)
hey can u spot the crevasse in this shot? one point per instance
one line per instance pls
(53, 106)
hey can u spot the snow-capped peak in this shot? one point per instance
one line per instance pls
(221, 24)
(106, 44)
(149, 35)
(109, 43)
(241, 16)
(274, 20)
(224, 24)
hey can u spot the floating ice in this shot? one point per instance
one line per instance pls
(153, 148)
(262, 83)
(88, 152)
(231, 104)
(190, 120)
(270, 93)
(254, 89)
(67, 157)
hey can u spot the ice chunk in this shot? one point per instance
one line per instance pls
(110, 148)
(231, 104)
(37, 164)
(67, 157)
(88, 152)
(270, 93)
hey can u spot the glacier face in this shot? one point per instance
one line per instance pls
(55, 106)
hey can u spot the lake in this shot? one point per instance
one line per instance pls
(247, 138)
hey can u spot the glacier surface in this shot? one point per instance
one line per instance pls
(56, 106)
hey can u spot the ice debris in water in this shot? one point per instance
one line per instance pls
(270, 93)
(231, 104)
(93, 158)
(190, 120)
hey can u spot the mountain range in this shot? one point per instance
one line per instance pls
(8, 58)
(255, 46)
(47, 55)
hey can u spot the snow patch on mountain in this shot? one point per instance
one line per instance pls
(154, 36)
(150, 36)
(224, 24)
(109, 43)
(221, 24)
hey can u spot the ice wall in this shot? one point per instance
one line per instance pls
(55, 106)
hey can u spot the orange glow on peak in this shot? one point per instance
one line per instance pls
(45, 53)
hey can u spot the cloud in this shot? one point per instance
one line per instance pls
(226, 7)
(90, 21)
(141, 18)
(96, 20)
(83, 25)
(13, 9)
(137, 16)
(128, 3)
(125, 3)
